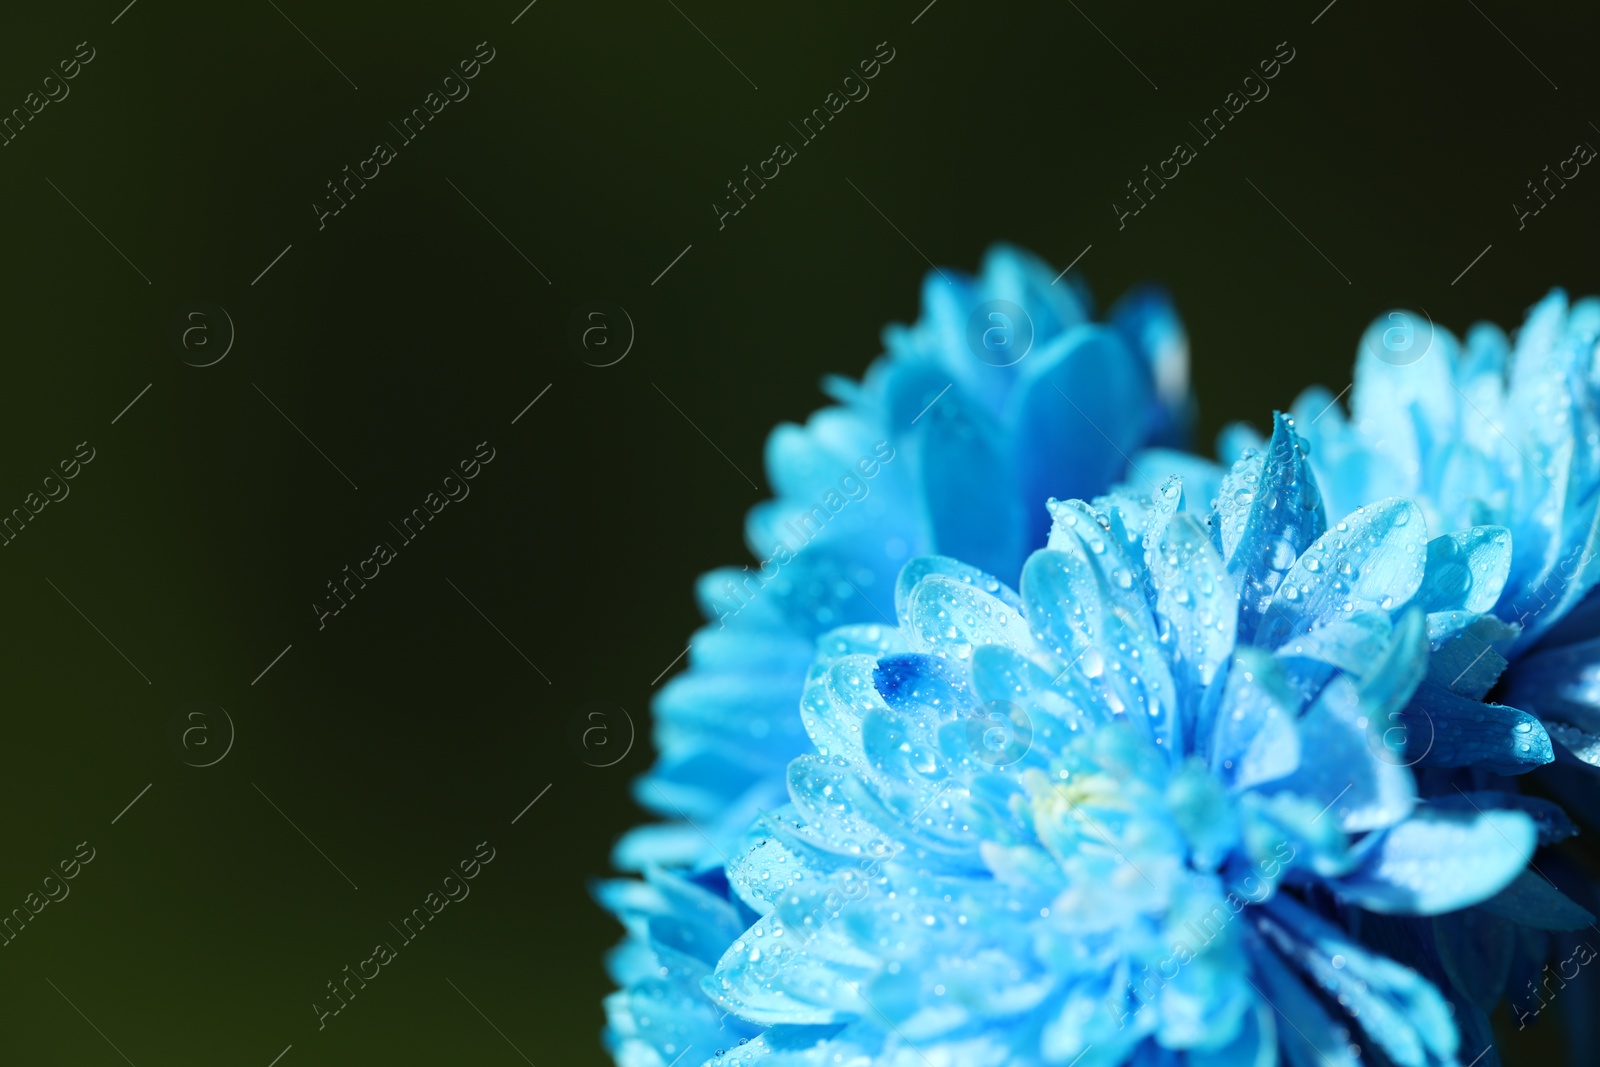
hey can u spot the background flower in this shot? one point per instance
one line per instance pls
(1004, 393)
(973, 417)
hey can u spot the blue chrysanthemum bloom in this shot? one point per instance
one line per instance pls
(1004, 393)
(1502, 438)
(1135, 813)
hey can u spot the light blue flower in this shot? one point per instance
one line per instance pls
(1132, 811)
(1497, 435)
(1004, 393)
(1500, 441)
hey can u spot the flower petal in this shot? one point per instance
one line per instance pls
(950, 617)
(1194, 595)
(1439, 861)
(1372, 559)
(1466, 570)
(1397, 1008)
(1268, 512)
(975, 512)
(1441, 729)
(1363, 787)
(1071, 452)
(1531, 900)
(1255, 738)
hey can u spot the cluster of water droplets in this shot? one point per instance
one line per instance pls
(1268, 510)
(1357, 562)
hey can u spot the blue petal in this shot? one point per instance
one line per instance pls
(1074, 409)
(918, 683)
(922, 566)
(835, 699)
(1001, 674)
(1268, 512)
(1372, 559)
(1255, 738)
(806, 462)
(951, 617)
(1466, 570)
(658, 845)
(1340, 646)
(1562, 685)
(1194, 595)
(1011, 273)
(1256, 1045)
(1475, 950)
(1582, 745)
(1531, 900)
(1551, 823)
(1149, 322)
(1445, 730)
(1397, 1009)
(1438, 861)
(1115, 657)
(834, 802)
(1463, 660)
(1403, 381)
(911, 389)
(1310, 1037)
(975, 512)
(1105, 545)
(1362, 785)
(777, 980)
(1387, 684)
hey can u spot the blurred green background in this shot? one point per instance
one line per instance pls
(413, 327)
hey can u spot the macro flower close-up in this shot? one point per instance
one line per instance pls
(1031, 808)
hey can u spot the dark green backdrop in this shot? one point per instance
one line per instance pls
(187, 556)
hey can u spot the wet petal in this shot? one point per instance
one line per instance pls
(1440, 861)
(1371, 560)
